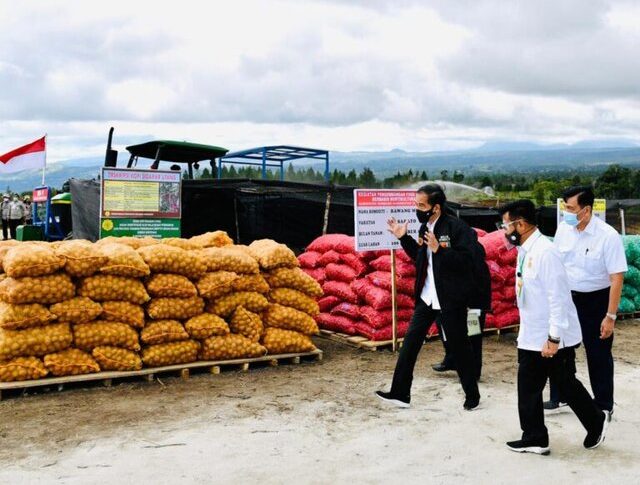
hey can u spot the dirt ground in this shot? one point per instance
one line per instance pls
(313, 423)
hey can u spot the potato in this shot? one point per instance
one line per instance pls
(271, 254)
(104, 287)
(216, 239)
(132, 242)
(77, 310)
(226, 305)
(216, 284)
(295, 279)
(168, 259)
(294, 299)
(170, 286)
(279, 341)
(247, 324)
(123, 261)
(15, 317)
(82, 258)
(116, 359)
(22, 369)
(39, 289)
(205, 326)
(87, 336)
(31, 260)
(171, 353)
(230, 347)
(123, 311)
(186, 244)
(71, 362)
(175, 308)
(34, 342)
(229, 259)
(252, 282)
(162, 332)
(289, 319)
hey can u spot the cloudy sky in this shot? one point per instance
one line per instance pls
(342, 75)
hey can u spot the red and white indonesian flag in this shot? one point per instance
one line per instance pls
(28, 157)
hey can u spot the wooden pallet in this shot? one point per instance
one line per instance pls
(500, 331)
(183, 370)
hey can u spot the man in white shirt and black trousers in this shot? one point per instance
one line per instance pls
(444, 257)
(549, 333)
(593, 256)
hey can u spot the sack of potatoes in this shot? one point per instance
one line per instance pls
(79, 309)
(87, 336)
(205, 326)
(38, 289)
(31, 260)
(22, 369)
(175, 308)
(230, 347)
(215, 239)
(271, 254)
(132, 242)
(231, 259)
(226, 305)
(15, 317)
(295, 279)
(82, 258)
(104, 287)
(295, 299)
(289, 319)
(123, 261)
(171, 353)
(186, 244)
(216, 284)
(70, 362)
(251, 282)
(280, 341)
(165, 285)
(246, 323)
(162, 332)
(170, 259)
(34, 342)
(116, 359)
(123, 311)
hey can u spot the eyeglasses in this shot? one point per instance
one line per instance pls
(504, 225)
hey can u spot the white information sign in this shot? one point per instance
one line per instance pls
(373, 208)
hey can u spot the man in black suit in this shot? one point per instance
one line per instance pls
(446, 276)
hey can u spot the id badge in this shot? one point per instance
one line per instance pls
(473, 323)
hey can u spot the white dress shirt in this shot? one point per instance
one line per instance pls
(429, 294)
(591, 255)
(544, 298)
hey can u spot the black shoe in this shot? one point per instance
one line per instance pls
(596, 438)
(555, 407)
(522, 446)
(471, 404)
(394, 400)
(442, 367)
(610, 415)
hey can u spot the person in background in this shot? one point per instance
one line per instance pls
(444, 257)
(4, 209)
(16, 215)
(27, 208)
(548, 336)
(593, 256)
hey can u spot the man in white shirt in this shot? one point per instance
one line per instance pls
(549, 333)
(593, 256)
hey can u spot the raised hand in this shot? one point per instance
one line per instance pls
(397, 229)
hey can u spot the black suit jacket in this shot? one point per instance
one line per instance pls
(459, 268)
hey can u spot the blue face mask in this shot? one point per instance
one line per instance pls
(570, 218)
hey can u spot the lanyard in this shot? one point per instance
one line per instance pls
(520, 273)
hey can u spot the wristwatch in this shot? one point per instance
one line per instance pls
(553, 340)
(612, 316)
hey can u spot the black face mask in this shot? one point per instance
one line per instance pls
(514, 238)
(424, 216)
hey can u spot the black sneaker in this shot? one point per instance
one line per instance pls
(596, 438)
(442, 367)
(394, 400)
(555, 407)
(522, 446)
(471, 404)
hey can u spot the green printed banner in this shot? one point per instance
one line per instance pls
(157, 228)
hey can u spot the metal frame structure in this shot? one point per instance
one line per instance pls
(274, 156)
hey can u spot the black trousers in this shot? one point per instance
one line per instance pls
(5, 229)
(476, 345)
(454, 323)
(533, 371)
(592, 308)
(13, 227)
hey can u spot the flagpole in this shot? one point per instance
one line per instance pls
(45, 158)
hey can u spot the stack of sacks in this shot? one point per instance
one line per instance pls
(630, 301)
(502, 267)
(357, 287)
